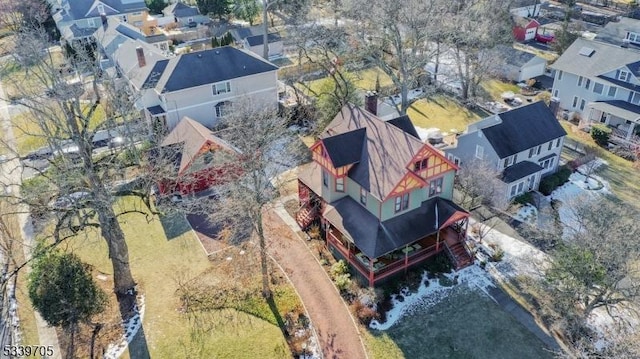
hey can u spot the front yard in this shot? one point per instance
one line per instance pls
(444, 113)
(246, 328)
(466, 324)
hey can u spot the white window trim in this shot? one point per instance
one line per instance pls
(91, 22)
(625, 77)
(559, 75)
(583, 103)
(595, 84)
(580, 78)
(615, 91)
(479, 152)
(224, 85)
(574, 104)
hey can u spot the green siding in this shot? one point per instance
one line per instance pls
(353, 190)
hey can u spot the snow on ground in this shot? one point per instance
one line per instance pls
(131, 327)
(431, 294)
(527, 213)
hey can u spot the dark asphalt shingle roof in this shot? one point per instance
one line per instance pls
(155, 74)
(156, 110)
(211, 66)
(520, 170)
(346, 148)
(179, 9)
(522, 128)
(81, 9)
(375, 238)
(404, 123)
(258, 39)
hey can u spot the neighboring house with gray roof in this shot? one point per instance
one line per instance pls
(381, 196)
(523, 145)
(515, 65)
(185, 15)
(599, 80)
(252, 39)
(78, 19)
(201, 85)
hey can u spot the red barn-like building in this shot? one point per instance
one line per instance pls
(525, 29)
(195, 159)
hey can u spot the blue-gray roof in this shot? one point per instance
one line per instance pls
(211, 66)
(156, 110)
(520, 170)
(155, 74)
(522, 128)
(345, 148)
(181, 10)
(259, 39)
(80, 9)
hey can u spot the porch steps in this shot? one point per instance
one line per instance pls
(461, 257)
(305, 217)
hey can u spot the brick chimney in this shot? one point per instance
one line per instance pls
(103, 17)
(371, 102)
(141, 60)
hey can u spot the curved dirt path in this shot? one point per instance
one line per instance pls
(338, 335)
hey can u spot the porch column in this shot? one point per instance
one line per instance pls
(630, 131)
(438, 241)
(370, 272)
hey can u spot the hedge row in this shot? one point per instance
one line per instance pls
(550, 183)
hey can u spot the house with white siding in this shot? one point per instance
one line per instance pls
(599, 80)
(522, 145)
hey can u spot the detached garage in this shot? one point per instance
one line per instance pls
(516, 65)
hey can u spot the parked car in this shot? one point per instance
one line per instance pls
(545, 39)
(69, 201)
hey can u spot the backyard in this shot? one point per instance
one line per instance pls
(465, 324)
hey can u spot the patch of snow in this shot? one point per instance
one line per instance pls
(431, 294)
(527, 213)
(130, 327)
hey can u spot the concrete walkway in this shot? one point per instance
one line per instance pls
(522, 316)
(47, 334)
(338, 334)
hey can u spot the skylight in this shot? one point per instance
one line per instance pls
(586, 51)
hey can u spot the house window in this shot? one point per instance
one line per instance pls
(453, 159)
(532, 182)
(435, 186)
(101, 9)
(636, 98)
(221, 87)
(516, 189)
(587, 84)
(623, 75)
(559, 75)
(190, 20)
(558, 142)
(510, 160)
(555, 93)
(479, 152)
(580, 81)
(402, 202)
(550, 145)
(612, 91)
(221, 108)
(91, 22)
(598, 88)
(325, 178)
(547, 163)
(534, 151)
(582, 103)
(420, 165)
(575, 102)
(340, 184)
(363, 195)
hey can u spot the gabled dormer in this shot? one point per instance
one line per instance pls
(99, 8)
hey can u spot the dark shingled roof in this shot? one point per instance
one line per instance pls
(522, 128)
(155, 74)
(375, 238)
(211, 66)
(156, 110)
(346, 148)
(257, 39)
(520, 170)
(404, 123)
(181, 10)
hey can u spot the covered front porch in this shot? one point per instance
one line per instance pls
(622, 117)
(377, 250)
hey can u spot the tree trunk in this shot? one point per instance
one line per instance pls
(118, 252)
(266, 289)
(265, 28)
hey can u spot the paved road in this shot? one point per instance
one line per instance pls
(337, 332)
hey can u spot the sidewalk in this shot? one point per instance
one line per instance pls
(338, 334)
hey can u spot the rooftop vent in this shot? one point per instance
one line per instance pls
(586, 51)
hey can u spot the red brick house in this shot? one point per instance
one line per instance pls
(194, 159)
(381, 196)
(525, 29)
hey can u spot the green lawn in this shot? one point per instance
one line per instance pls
(466, 324)
(621, 174)
(495, 88)
(442, 112)
(157, 265)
